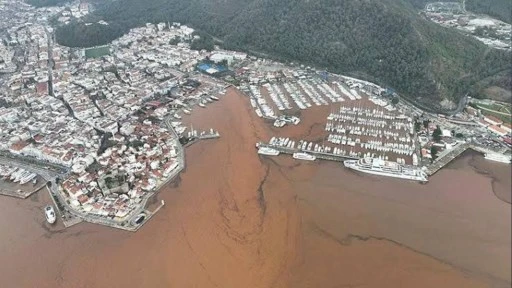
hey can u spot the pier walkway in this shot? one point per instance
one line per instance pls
(446, 157)
(209, 136)
(318, 155)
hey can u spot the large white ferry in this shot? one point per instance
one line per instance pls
(268, 151)
(304, 156)
(386, 168)
(498, 157)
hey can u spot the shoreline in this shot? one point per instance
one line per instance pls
(240, 220)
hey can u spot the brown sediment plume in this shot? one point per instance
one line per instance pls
(238, 219)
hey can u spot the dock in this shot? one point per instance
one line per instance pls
(209, 136)
(448, 156)
(194, 136)
(445, 158)
(318, 155)
(21, 194)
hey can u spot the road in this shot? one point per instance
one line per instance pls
(46, 173)
(50, 60)
(460, 106)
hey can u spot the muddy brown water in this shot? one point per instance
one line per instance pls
(236, 219)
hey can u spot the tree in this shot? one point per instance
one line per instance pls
(174, 41)
(425, 123)
(417, 126)
(394, 101)
(437, 134)
(204, 41)
(433, 152)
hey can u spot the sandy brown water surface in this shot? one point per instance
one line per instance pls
(235, 219)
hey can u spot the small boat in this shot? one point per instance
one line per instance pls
(186, 111)
(201, 105)
(214, 98)
(304, 156)
(49, 213)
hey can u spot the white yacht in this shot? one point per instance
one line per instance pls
(498, 157)
(268, 151)
(304, 156)
(386, 168)
(49, 213)
(28, 178)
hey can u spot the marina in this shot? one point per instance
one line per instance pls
(19, 182)
(369, 130)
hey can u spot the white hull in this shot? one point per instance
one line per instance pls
(27, 179)
(304, 156)
(352, 164)
(498, 158)
(268, 151)
(49, 213)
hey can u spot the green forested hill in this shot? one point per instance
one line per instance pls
(384, 41)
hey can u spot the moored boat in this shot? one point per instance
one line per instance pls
(268, 151)
(49, 213)
(381, 167)
(497, 157)
(304, 156)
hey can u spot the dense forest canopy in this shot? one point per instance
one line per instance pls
(384, 41)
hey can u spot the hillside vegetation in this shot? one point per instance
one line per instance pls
(384, 41)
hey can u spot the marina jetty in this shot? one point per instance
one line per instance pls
(449, 155)
(277, 146)
(446, 157)
(193, 136)
(330, 156)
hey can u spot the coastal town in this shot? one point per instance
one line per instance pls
(105, 123)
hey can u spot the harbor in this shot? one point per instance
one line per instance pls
(201, 212)
(280, 145)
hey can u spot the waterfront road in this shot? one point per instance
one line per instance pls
(47, 173)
